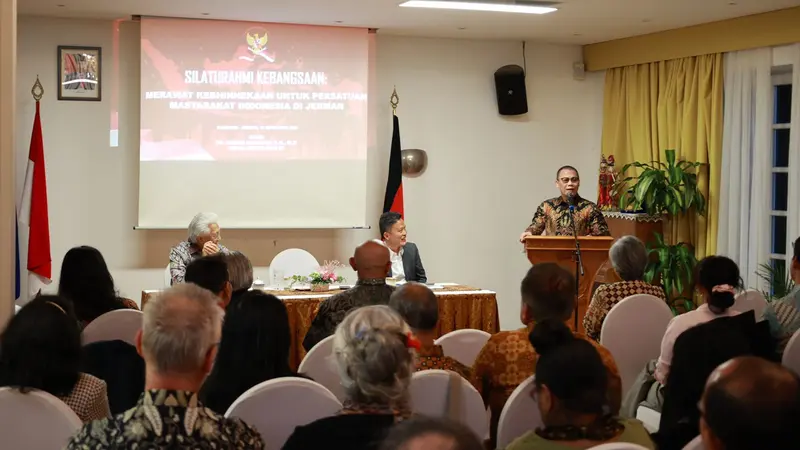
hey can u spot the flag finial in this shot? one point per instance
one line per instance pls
(394, 100)
(37, 90)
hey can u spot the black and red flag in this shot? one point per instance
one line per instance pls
(394, 184)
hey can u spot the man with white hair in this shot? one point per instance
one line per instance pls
(180, 332)
(203, 241)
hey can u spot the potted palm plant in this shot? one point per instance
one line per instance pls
(777, 279)
(667, 190)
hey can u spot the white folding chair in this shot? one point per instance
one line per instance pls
(167, 277)
(463, 345)
(122, 324)
(293, 261)
(431, 396)
(632, 331)
(751, 299)
(791, 355)
(618, 446)
(695, 444)
(319, 366)
(520, 414)
(35, 420)
(277, 406)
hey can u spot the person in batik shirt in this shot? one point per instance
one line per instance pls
(420, 309)
(203, 240)
(553, 216)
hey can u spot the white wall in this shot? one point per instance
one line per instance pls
(486, 174)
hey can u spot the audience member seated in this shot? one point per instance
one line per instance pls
(254, 348)
(507, 359)
(203, 240)
(750, 404)
(784, 315)
(178, 341)
(120, 366)
(717, 280)
(629, 258)
(420, 309)
(571, 387)
(425, 433)
(697, 352)
(406, 262)
(371, 262)
(86, 281)
(373, 351)
(41, 349)
(240, 274)
(211, 273)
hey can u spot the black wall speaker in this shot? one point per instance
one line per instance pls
(509, 81)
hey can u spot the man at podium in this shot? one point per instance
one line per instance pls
(553, 216)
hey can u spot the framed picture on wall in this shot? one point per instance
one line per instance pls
(79, 75)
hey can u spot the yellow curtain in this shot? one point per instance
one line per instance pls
(671, 105)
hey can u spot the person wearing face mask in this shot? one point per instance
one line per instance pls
(406, 262)
(553, 216)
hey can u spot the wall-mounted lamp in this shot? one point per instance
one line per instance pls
(415, 161)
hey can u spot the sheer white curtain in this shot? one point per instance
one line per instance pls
(793, 210)
(744, 232)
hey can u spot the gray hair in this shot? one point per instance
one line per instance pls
(629, 258)
(372, 355)
(200, 225)
(179, 326)
(240, 270)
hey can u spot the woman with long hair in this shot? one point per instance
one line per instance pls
(86, 281)
(41, 349)
(254, 348)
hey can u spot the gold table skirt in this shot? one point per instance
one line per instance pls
(459, 307)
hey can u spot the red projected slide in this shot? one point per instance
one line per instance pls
(221, 90)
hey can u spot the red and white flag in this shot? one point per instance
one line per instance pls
(33, 213)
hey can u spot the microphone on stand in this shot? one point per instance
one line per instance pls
(571, 200)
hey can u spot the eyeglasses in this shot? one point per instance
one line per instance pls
(567, 180)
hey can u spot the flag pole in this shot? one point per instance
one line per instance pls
(394, 100)
(37, 90)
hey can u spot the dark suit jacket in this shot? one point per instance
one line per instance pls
(412, 264)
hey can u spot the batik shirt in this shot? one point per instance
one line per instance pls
(167, 419)
(432, 357)
(608, 295)
(181, 255)
(553, 218)
(784, 318)
(332, 311)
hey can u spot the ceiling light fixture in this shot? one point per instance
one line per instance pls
(521, 7)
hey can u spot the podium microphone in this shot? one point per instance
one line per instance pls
(577, 254)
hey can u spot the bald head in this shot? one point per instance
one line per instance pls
(371, 260)
(418, 306)
(748, 402)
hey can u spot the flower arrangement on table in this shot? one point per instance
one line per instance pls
(322, 278)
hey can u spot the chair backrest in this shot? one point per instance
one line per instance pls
(751, 299)
(618, 446)
(17, 308)
(121, 324)
(695, 444)
(320, 367)
(35, 420)
(632, 331)
(293, 261)
(463, 345)
(431, 396)
(167, 277)
(520, 414)
(791, 354)
(275, 407)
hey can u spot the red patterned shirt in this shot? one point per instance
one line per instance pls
(433, 358)
(608, 295)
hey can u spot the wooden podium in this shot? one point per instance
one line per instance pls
(560, 250)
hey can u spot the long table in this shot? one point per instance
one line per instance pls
(459, 307)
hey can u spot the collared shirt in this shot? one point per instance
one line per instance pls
(432, 357)
(398, 270)
(167, 419)
(508, 359)
(332, 311)
(553, 218)
(608, 295)
(783, 317)
(678, 325)
(181, 255)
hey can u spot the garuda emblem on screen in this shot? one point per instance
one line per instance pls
(257, 45)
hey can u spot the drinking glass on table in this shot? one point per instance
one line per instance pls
(277, 279)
